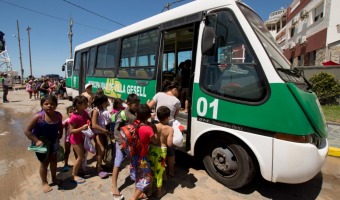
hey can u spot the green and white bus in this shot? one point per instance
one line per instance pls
(249, 111)
(67, 67)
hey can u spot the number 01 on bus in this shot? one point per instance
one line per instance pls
(249, 112)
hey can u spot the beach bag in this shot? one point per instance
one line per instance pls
(178, 136)
(88, 133)
(109, 152)
(130, 138)
(88, 146)
(60, 154)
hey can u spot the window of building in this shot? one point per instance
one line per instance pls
(312, 57)
(292, 32)
(318, 13)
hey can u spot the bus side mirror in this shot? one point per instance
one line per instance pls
(63, 67)
(208, 41)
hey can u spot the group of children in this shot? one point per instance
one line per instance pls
(147, 162)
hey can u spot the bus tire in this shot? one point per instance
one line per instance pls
(228, 162)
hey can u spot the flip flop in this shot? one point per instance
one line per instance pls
(102, 174)
(43, 156)
(79, 181)
(117, 196)
(38, 149)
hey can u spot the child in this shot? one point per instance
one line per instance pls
(157, 152)
(46, 128)
(140, 170)
(66, 124)
(127, 116)
(99, 119)
(78, 122)
(117, 108)
(29, 88)
(34, 89)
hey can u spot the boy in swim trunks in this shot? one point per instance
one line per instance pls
(157, 152)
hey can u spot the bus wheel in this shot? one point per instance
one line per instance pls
(229, 163)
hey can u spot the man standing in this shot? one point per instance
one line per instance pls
(5, 86)
(89, 95)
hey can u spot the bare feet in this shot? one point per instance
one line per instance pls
(46, 188)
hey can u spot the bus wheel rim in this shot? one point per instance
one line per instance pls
(224, 161)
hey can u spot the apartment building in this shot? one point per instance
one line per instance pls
(308, 31)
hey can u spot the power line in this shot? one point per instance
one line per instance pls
(167, 6)
(94, 13)
(48, 15)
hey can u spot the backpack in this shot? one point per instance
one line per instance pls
(130, 138)
(114, 119)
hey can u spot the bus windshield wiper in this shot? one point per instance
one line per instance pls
(297, 73)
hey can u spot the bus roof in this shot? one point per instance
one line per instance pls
(181, 11)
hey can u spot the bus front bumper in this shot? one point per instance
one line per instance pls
(297, 162)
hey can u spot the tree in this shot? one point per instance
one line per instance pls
(326, 87)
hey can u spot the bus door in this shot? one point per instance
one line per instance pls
(179, 44)
(83, 71)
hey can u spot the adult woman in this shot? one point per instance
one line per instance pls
(167, 98)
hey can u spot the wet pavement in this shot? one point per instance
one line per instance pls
(19, 177)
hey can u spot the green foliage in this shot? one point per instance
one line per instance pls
(326, 87)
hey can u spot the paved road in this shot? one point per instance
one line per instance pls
(334, 135)
(19, 177)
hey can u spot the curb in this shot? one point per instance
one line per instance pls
(333, 151)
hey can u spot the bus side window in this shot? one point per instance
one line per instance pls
(122, 73)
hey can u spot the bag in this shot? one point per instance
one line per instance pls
(88, 132)
(60, 154)
(109, 152)
(88, 146)
(130, 138)
(178, 137)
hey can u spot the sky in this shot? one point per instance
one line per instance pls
(49, 26)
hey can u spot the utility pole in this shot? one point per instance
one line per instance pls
(22, 69)
(29, 48)
(70, 34)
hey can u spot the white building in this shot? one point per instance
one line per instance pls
(311, 34)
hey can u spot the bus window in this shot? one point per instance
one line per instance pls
(77, 64)
(231, 72)
(106, 58)
(69, 66)
(92, 57)
(138, 55)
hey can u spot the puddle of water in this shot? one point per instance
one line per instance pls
(16, 163)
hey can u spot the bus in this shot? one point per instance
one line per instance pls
(67, 67)
(250, 112)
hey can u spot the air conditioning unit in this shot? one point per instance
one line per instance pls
(303, 14)
(294, 21)
(303, 40)
(292, 45)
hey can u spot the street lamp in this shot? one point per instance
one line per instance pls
(29, 48)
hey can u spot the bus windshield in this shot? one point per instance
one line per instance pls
(69, 66)
(279, 61)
